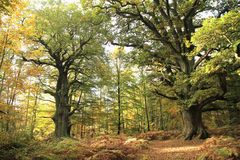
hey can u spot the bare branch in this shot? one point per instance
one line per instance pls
(52, 93)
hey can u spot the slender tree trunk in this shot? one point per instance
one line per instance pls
(3, 50)
(81, 133)
(84, 130)
(146, 112)
(92, 128)
(107, 119)
(15, 88)
(34, 115)
(27, 107)
(2, 84)
(193, 124)
(11, 125)
(119, 96)
(122, 120)
(161, 115)
(82, 122)
(138, 123)
(62, 113)
(146, 106)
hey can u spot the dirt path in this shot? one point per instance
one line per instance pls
(172, 150)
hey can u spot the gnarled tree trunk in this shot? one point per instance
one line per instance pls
(193, 125)
(62, 122)
(62, 113)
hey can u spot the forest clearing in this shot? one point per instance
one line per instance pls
(119, 79)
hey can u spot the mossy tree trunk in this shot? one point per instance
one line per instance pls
(193, 124)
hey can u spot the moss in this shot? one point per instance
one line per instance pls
(224, 152)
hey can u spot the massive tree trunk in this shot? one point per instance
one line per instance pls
(193, 125)
(62, 113)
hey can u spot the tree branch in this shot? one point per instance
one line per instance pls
(78, 52)
(166, 96)
(127, 44)
(38, 62)
(42, 42)
(218, 109)
(218, 96)
(77, 105)
(226, 9)
(202, 58)
(50, 92)
(191, 11)
(75, 81)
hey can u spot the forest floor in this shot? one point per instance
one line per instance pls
(156, 145)
(223, 144)
(172, 150)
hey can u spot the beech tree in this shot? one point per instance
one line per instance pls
(222, 34)
(162, 31)
(66, 40)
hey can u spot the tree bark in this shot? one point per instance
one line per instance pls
(161, 124)
(34, 115)
(27, 108)
(146, 112)
(62, 114)
(193, 125)
(119, 95)
(145, 99)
